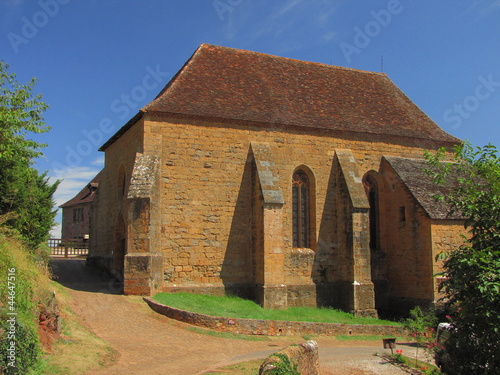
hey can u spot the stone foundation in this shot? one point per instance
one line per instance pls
(143, 273)
(302, 295)
(272, 296)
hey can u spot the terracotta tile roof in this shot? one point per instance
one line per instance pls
(232, 84)
(86, 195)
(420, 185)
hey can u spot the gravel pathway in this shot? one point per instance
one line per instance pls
(150, 344)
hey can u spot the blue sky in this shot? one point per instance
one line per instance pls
(99, 61)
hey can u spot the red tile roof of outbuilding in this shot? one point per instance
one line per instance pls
(232, 84)
(86, 195)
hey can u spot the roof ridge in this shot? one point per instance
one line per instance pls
(291, 59)
(206, 46)
(172, 81)
(237, 84)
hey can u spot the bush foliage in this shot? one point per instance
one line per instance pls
(28, 287)
(471, 283)
(23, 190)
(26, 208)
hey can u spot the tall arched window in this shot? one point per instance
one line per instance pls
(301, 209)
(122, 182)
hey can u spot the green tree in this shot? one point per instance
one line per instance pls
(23, 190)
(21, 113)
(28, 194)
(472, 273)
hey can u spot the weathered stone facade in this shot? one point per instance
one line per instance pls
(207, 203)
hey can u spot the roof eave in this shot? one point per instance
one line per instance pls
(122, 130)
(450, 143)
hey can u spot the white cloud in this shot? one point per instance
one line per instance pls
(73, 179)
(55, 232)
(288, 7)
(98, 162)
(287, 23)
(495, 5)
(481, 8)
(329, 35)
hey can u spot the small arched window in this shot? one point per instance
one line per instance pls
(122, 182)
(301, 209)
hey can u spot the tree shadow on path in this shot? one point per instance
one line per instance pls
(75, 274)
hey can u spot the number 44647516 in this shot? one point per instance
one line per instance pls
(11, 287)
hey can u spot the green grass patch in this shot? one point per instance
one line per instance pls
(423, 367)
(24, 282)
(235, 307)
(244, 368)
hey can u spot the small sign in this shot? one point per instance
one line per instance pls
(389, 344)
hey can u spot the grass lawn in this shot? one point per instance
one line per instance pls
(235, 307)
(244, 368)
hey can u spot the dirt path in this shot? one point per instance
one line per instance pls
(152, 344)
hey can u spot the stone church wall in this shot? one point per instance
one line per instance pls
(407, 245)
(447, 235)
(185, 197)
(208, 227)
(110, 213)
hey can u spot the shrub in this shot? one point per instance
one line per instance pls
(283, 366)
(23, 285)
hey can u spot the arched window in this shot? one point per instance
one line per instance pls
(122, 182)
(301, 209)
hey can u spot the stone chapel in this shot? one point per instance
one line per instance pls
(288, 182)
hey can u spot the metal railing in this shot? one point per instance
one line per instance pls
(68, 247)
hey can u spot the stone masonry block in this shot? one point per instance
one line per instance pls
(144, 270)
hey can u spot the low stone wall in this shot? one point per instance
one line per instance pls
(271, 327)
(304, 355)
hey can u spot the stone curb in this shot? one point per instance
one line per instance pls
(271, 327)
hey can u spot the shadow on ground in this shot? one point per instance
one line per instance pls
(76, 275)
